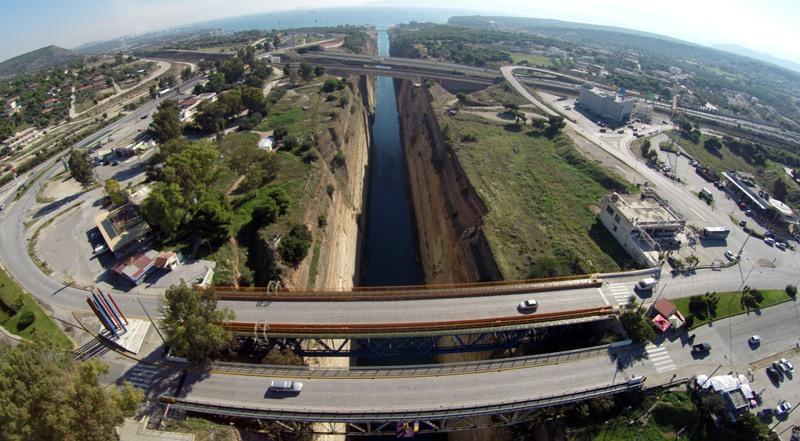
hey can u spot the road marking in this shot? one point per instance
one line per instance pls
(698, 214)
(621, 293)
(660, 358)
(141, 376)
(603, 296)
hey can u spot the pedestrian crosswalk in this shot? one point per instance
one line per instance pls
(660, 358)
(621, 292)
(141, 375)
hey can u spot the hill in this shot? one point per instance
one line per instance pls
(38, 59)
(761, 56)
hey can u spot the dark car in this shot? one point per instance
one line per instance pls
(774, 374)
(701, 348)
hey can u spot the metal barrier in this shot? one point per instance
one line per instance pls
(344, 416)
(454, 325)
(467, 367)
(396, 293)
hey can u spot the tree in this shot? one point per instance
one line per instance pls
(80, 166)
(164, 207)
(186, 73)
(212, 217)
(232, 69)
(276, 42)
(166, 124)
(191, 322)
(114, 192)
(46, 395)
(319, 71)
(713, 145)
(646, 148)
(779, 190)
(294, 247)
(153, 90)
(791, 291)
(636, 326)
(554, 126)
(306, 71)
(253, 99)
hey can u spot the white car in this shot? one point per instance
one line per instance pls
(783, 408)
(754, 340)
(528, 305)
(730, 256)
(769, 241)
(780, 245)
(286, 386)
(787, 366)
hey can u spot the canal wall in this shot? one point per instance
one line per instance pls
(448, 211)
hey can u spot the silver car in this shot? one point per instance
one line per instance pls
(285, 386)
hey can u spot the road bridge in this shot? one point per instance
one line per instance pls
(442, 397)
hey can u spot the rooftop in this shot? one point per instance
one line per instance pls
(646, 210)
(121, 228)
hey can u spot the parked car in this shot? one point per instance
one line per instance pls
(730, 256)
(2, 206)
(100, 249)
(528, 305)
(769, 241)
(774, 374)
(787, 366)
(701, 348)
(777, 366)
(285, 386)
(780, 245)
(754, 340)
(742, 223)
(783, 408)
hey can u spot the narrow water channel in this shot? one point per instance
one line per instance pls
(390, 256)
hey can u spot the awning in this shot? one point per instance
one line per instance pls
(661, 323)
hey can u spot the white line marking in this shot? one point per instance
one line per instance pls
(698, 215)
(603, 296)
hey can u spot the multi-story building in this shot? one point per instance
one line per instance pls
(612, 106)
(641, 223)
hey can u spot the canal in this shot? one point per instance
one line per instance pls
(390, 255)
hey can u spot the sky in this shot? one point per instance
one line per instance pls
(767, 26)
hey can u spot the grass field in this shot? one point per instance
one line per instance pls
(730, 304)
(14, 303)
(542, 197)
(728, 160)
(532, 60)
(497, 95)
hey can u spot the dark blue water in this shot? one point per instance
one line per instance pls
(380, 17)
(390, 256)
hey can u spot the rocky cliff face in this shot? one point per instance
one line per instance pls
(447, 209)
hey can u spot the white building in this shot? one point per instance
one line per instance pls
(639, 223)
(612, 106)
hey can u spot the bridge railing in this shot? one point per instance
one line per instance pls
(410, 293)
(410, 370)
(338, 415)
(367, 328)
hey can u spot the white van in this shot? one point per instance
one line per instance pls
(646, 284)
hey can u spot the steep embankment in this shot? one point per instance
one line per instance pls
(336, 199)
(447, 209)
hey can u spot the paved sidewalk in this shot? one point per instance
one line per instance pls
(133, 430)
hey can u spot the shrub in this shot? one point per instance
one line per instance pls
(329, 189)
(26, 319)
(294, 247)
(791, 291)
(322, 221)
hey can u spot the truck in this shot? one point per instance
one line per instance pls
(711, 233)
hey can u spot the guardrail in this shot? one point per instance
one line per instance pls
(453, 325)
(465, 367)
(343, 416)
(402, 293)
